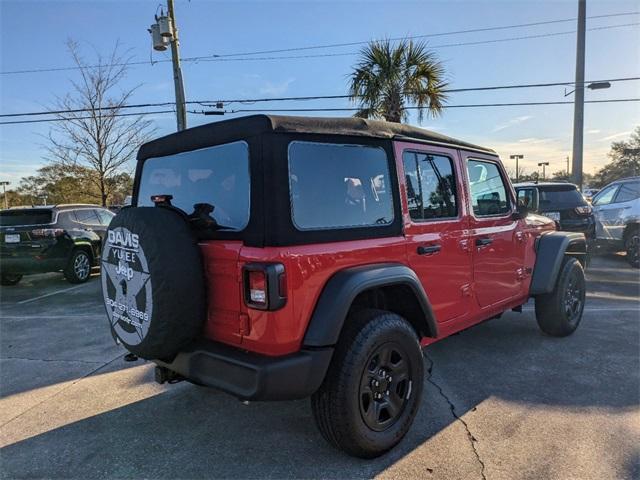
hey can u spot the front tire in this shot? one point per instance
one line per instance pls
(559, 313)
(632, 246)
(78, 269)
(372, 390)
(8, 280)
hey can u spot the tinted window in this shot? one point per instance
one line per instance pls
(339, 186)
(431, 186)
(104, 216)
(10, 218)
(628, 191)
(66, 220)
(488, 190)
(605, 196)
(86, 216)
(560, 197)
(216, 175)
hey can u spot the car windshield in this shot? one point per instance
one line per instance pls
(12, 218)
(217, 176)
(563, 196)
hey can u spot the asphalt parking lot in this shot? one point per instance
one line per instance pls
(502, 401)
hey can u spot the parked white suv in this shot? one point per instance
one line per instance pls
(617, 211)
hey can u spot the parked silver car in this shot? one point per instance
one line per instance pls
(617, 211)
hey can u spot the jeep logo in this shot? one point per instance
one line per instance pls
(124, 270)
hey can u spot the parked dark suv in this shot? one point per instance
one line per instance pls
(562, 203)
(286, 257)
(50, 239)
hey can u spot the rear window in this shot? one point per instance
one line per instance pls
(216, 175)
(561, 196)
(339, 186)
(628, 191)
(11, 218)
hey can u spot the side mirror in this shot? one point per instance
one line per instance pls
(521, 212)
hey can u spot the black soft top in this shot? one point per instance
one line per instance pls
(235, 129)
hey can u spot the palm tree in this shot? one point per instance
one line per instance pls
(388, 78)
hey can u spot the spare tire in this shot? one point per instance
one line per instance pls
(152, 281)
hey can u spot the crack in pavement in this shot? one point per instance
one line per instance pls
(452, 407)
(49, 360)
(95, 370)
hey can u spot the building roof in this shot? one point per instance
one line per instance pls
(227, 130)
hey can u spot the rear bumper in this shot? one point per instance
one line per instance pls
(26, 265)
(250, 376)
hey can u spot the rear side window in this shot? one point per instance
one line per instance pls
(628, 191)
(488, 189)
(12, 218)
(218, 176)
(431, 186)
(87, 216)
(339, 186)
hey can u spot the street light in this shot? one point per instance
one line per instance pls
(543, 165)
(4, 193)
(516, 158)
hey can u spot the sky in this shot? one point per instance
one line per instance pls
(33, 34)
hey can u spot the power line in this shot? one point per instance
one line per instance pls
(338, 109)
(42, 120)
(472, 105)
(208, 103)
(228, 57)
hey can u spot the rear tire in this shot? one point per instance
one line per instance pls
(559, 313)
(632, 246)
(8, 280)
(78, 269)
(372, 390)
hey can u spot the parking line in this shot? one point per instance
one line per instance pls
(50, 294)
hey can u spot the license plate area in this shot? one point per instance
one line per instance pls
(553, 215)
(12, 238)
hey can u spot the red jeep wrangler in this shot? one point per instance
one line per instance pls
(282, 257)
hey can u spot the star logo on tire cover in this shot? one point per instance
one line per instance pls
(128, 299)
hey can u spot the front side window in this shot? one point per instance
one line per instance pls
(605, 196)
(217, 176)
(87, 216)
(488, 189)
(339, 186)
(628, 191)
(431, 186)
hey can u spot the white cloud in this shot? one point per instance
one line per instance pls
(593, 131)
(512, 122)
(270, 88)
(615, 135)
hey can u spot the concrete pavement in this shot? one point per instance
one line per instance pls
(502, 401)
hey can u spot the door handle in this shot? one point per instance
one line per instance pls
(428, 249)
(483, 242)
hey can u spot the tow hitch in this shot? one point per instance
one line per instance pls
(164, 375)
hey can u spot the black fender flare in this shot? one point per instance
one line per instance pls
(550, 251)
(344, 286)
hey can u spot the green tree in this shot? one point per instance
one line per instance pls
(624, 161)
(389, 78)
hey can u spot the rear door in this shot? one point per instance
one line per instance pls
(498, 245)
(606, 212)
(436, 226)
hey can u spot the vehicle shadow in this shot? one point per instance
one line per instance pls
(187, 431)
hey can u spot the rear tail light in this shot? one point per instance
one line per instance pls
(265, 285)
(583, 210)
(47, 232)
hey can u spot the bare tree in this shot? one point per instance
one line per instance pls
(95, 134)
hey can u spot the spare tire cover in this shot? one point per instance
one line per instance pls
(152, 281)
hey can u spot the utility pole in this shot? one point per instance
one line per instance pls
(568, 171)
(517, 157)
(578, 105)
(4, 193)
(163, 33)
(181, 113)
